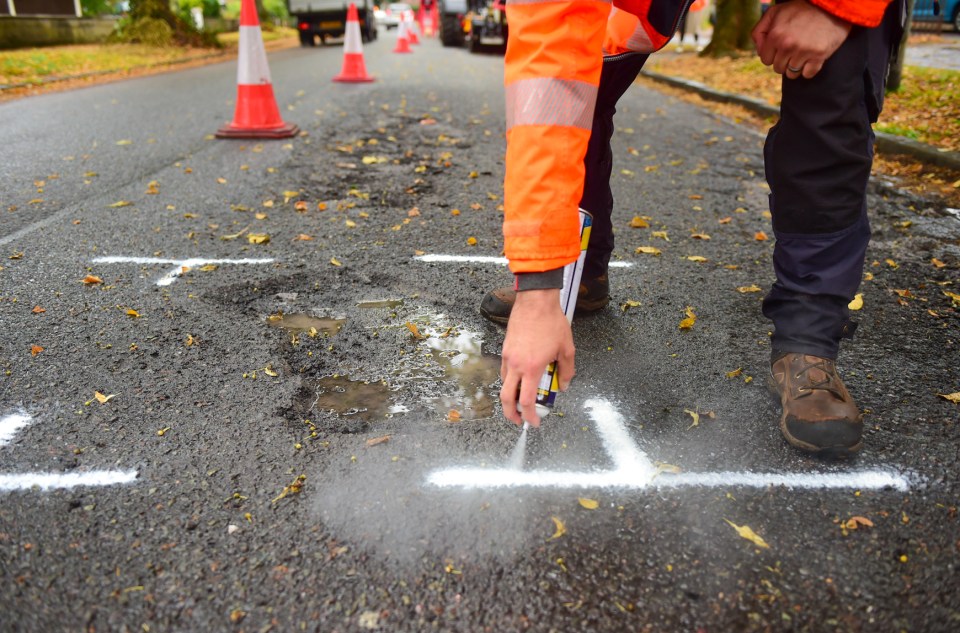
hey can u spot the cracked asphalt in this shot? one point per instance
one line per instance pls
(285, 397)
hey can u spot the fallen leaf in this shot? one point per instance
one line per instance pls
(290, 195)
(453, 415)
(696, 258)
(415, 331)
(471, 241)
(937, 263)
(133, 313)
(102, 399)
(856, 303)
(268, 370)
(589, 504)
(695, 196)
(38, 310)
(855, 522)
(687, 323)
(120, 203)
(649, 250)
(234, 236)
(335, 262)
(760, 236)
(91, 280)
(191, 340)
(560, 530)
(321, 206)
(35, 349)
(300, 206)
(954, 297)
(639, 223)
(303, 237)
(629, 304)
(699, 236)
(746, 289)
(736, 372)
(378, 440)
(660, 234)
(696, 418)
(125, 142)
(726, 220)
(258, 238)
(951, 397)
(747, 533)
(293, 488)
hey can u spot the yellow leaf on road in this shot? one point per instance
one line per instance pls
(951, 397)
(415, 331)
(747, 533)
(954, 297)
(133, 313)
(855, 522)
(857, 303)
(687, 324)
(258, 238)
(471, 241)
(695, 416)
(268, 370)
(560, 528)
(120, 203)
(736, 372)
(589, 504)
(648, 250)
(35, 349)
(102, 399)
(760, 236)
(91, 280)
(335, 262)
(699, 236)
(746, 289)
(629, 304)
(638, 222)
(696, 258)
(290, 195)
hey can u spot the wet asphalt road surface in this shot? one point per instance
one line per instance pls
(305, 430)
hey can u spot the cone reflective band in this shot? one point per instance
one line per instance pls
(550, 381)
(354, 69)
(403, 41)
(256, 114)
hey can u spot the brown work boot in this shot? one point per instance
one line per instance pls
(819, 416)
(594, 294)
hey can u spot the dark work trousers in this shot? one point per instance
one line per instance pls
(617, 75)
(817, 160)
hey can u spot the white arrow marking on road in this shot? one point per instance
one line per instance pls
(181, 264)
(633, 469)
(10, 425)
(485, 259)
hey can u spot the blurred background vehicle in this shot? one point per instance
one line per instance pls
(323, 19)
(937, 13)
(389, 15)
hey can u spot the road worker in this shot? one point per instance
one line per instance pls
(567, 64)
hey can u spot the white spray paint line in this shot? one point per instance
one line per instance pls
(10, 425)
(632, 469)
(485, 259)
(181, 265)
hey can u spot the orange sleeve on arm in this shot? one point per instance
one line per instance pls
(859, 12)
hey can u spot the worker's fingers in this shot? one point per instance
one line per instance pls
(811, 68)
(566, 368)
(528, 400)
(759, 35)
(508, 394)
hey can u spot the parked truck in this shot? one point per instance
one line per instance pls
(323, 19)
(480, 24)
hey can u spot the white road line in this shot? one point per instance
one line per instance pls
(10, 425)
(181, 265)
(484, 259)
(49, 481)
(632, 469)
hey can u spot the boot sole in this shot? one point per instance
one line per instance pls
(838, 451)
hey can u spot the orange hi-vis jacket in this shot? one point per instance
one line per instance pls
(554, 56)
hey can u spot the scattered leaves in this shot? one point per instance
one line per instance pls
(639, 223)
(102, 399)
(648, 250)
(258, 238)
(35, 349)
(687, 323)
(559, 528)
(951, 397)
(856, 303)
(91, 280)
(589, 504)
(745, 532)
(294, 488)
(855, 522)
(378, 440)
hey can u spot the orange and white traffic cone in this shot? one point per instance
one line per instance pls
(411, 28)
(256, 114)
(403, 40)
(354, 69)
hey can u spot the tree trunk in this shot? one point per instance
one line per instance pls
(731, 33)
(895, 74)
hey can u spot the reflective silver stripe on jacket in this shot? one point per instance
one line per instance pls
(551, 101)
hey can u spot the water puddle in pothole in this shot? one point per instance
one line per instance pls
(461, 355)
(357, 399)
(300, 323)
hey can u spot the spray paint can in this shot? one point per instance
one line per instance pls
(572, 272)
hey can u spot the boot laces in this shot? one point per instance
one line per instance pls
(829, 382)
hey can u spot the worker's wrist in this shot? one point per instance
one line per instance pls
(549, 279)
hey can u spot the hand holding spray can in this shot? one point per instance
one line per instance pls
(572, 272)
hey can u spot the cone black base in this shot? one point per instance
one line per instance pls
(284, 131)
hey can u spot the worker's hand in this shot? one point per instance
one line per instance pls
(797, 38)
(537, 334)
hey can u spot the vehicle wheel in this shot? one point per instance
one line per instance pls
(323, 40)
(450, 32)
(956, 19)
(474, 45)
(306, 40)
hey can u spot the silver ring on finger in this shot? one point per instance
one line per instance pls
(794, 70)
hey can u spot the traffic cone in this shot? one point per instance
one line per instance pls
(354, 69)
(256, 114)
(411, 28)
(403, 41)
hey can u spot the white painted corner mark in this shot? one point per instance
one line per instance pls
(631, 468)
(484, 259)
(13, 423)
(180, 265)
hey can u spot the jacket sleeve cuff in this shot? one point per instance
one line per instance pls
(539, 281)
(860, 12)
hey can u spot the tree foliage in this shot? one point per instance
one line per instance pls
(154, 22)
